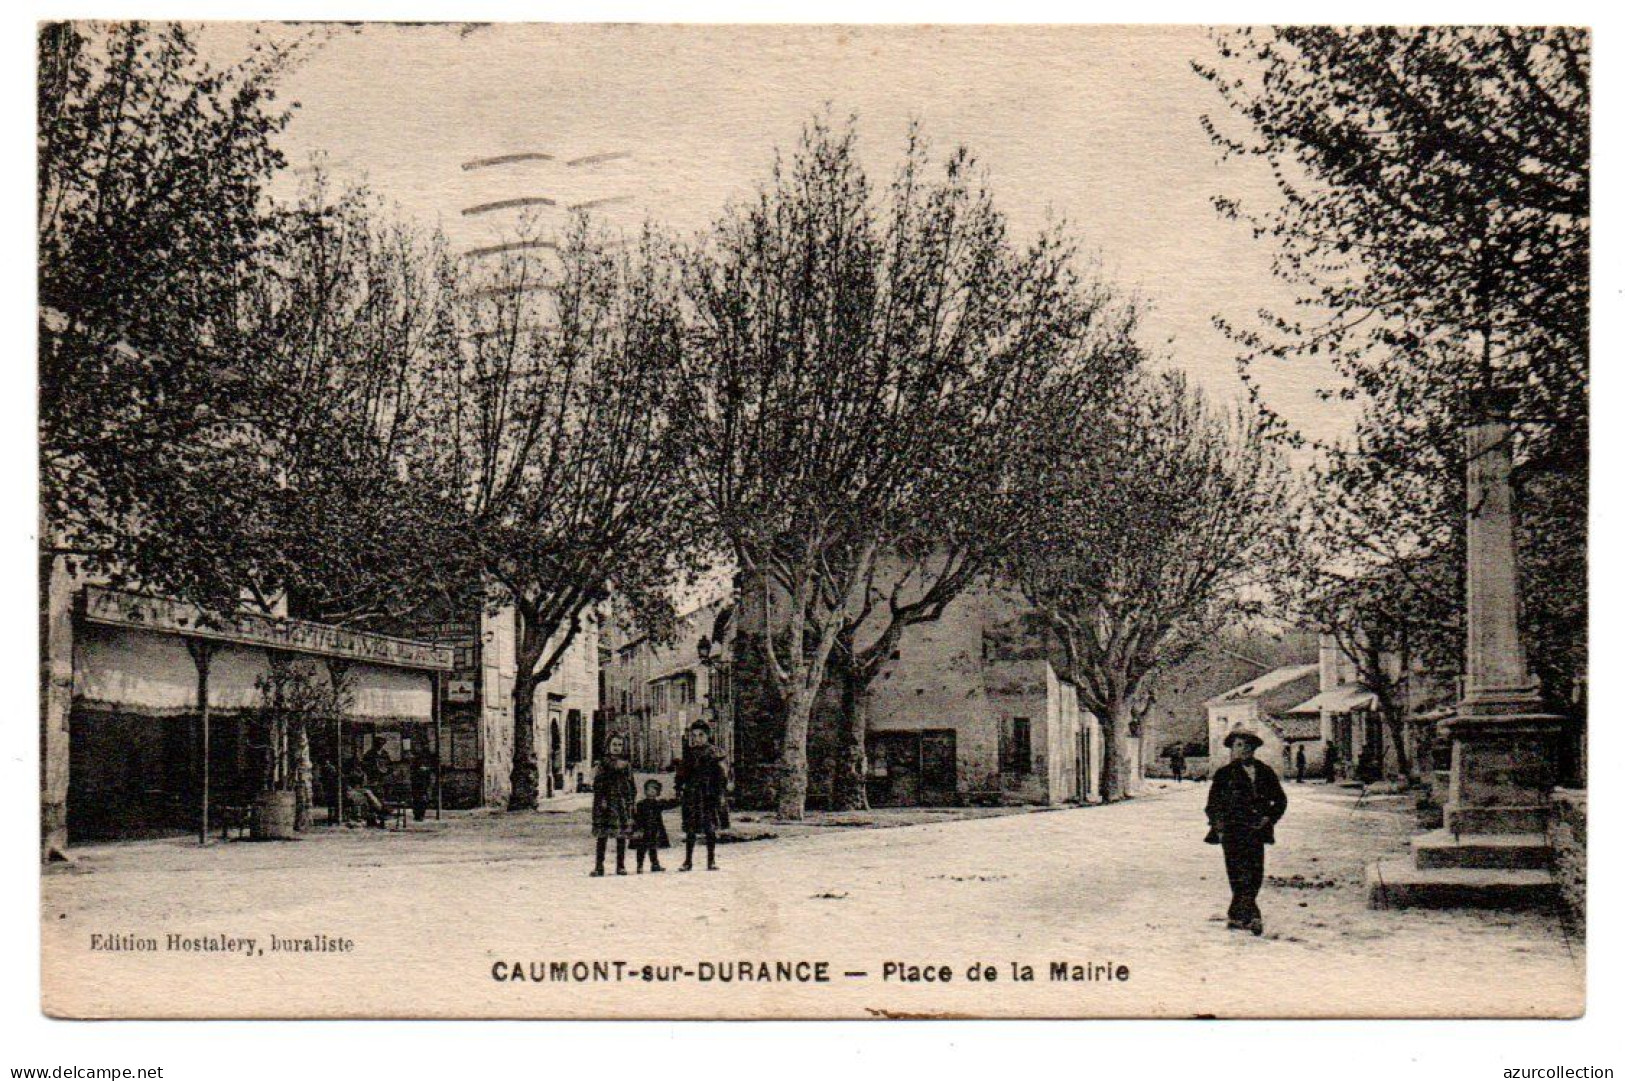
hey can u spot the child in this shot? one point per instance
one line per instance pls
(649, 826)
(614, 800)
(702, 788)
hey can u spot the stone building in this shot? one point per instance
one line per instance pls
(653, 692)
(121, 746)
(1344, 713)
(968, 709)
(1177, 712)
(479, 715)
(1262, 704)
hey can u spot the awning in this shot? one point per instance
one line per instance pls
(1297, 729)
(1344, 699)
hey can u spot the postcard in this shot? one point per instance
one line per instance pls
(772, 521)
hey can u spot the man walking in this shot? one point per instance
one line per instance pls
(1243, 805)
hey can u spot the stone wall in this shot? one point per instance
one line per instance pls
(496, 706)
(1567, 831)
(1197, 768)
(56, 703)
(937, 680)
(571, 691)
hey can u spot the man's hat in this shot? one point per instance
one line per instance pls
(700, 726)
(1242, 731)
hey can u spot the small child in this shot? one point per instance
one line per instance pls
(649, 826)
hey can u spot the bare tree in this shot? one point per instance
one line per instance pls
(967, 516)
(556, 432)
(1387, 616)
(1158, 533)
(348, 317)
(848, 355)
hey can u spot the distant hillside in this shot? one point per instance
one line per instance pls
(1177, 713)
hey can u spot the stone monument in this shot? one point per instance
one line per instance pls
(1493, 848)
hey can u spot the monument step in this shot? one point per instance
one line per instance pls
(1440, 848)
(1401, 884)
(1495, 820)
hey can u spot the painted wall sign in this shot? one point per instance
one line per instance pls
(112, 608)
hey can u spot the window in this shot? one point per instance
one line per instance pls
(1016, 752)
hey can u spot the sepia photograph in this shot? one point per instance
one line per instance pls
(768, 521)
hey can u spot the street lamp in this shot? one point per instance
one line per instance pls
(716, 666)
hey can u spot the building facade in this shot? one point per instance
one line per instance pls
(1262, 704)
(1347, 718)
(652, 692)
(479, 715)
(125, 742)
(1177, 709)
(969, 708)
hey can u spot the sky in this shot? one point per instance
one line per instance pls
(1096, 126)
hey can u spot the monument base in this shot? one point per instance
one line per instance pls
(1401, 884)
(1493, 850)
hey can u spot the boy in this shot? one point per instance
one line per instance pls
(649, 826)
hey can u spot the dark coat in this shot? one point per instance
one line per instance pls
(355, 773)
(1238, 805)
(423, 771)
(702, 789)
(380, 767)
(614, 799)
(649, 825)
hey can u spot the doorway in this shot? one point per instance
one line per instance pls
(914, 769)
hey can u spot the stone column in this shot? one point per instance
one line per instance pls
(1503, 743)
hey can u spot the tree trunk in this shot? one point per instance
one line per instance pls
(1116, 764)
(798, 707)
(302, 787)
(525, 780)
(1394, 720)
(849, 788)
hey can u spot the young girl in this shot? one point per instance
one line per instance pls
(614, 804)
(702, 788)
